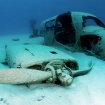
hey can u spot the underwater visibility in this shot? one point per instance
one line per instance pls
(52, 52)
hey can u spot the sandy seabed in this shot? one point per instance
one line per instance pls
(88, 89)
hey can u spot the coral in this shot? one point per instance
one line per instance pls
(33, 29)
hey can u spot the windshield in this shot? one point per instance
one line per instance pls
(92, 21)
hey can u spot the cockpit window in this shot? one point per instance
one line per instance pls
(50, 24)
(58, 24)
(92, 21)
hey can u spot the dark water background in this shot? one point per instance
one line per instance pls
(16, 14)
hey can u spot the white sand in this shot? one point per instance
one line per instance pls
(88, 89)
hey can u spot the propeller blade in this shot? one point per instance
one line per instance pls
(83, 72)
(21, 76)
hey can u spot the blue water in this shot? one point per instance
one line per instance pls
(16, 14)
